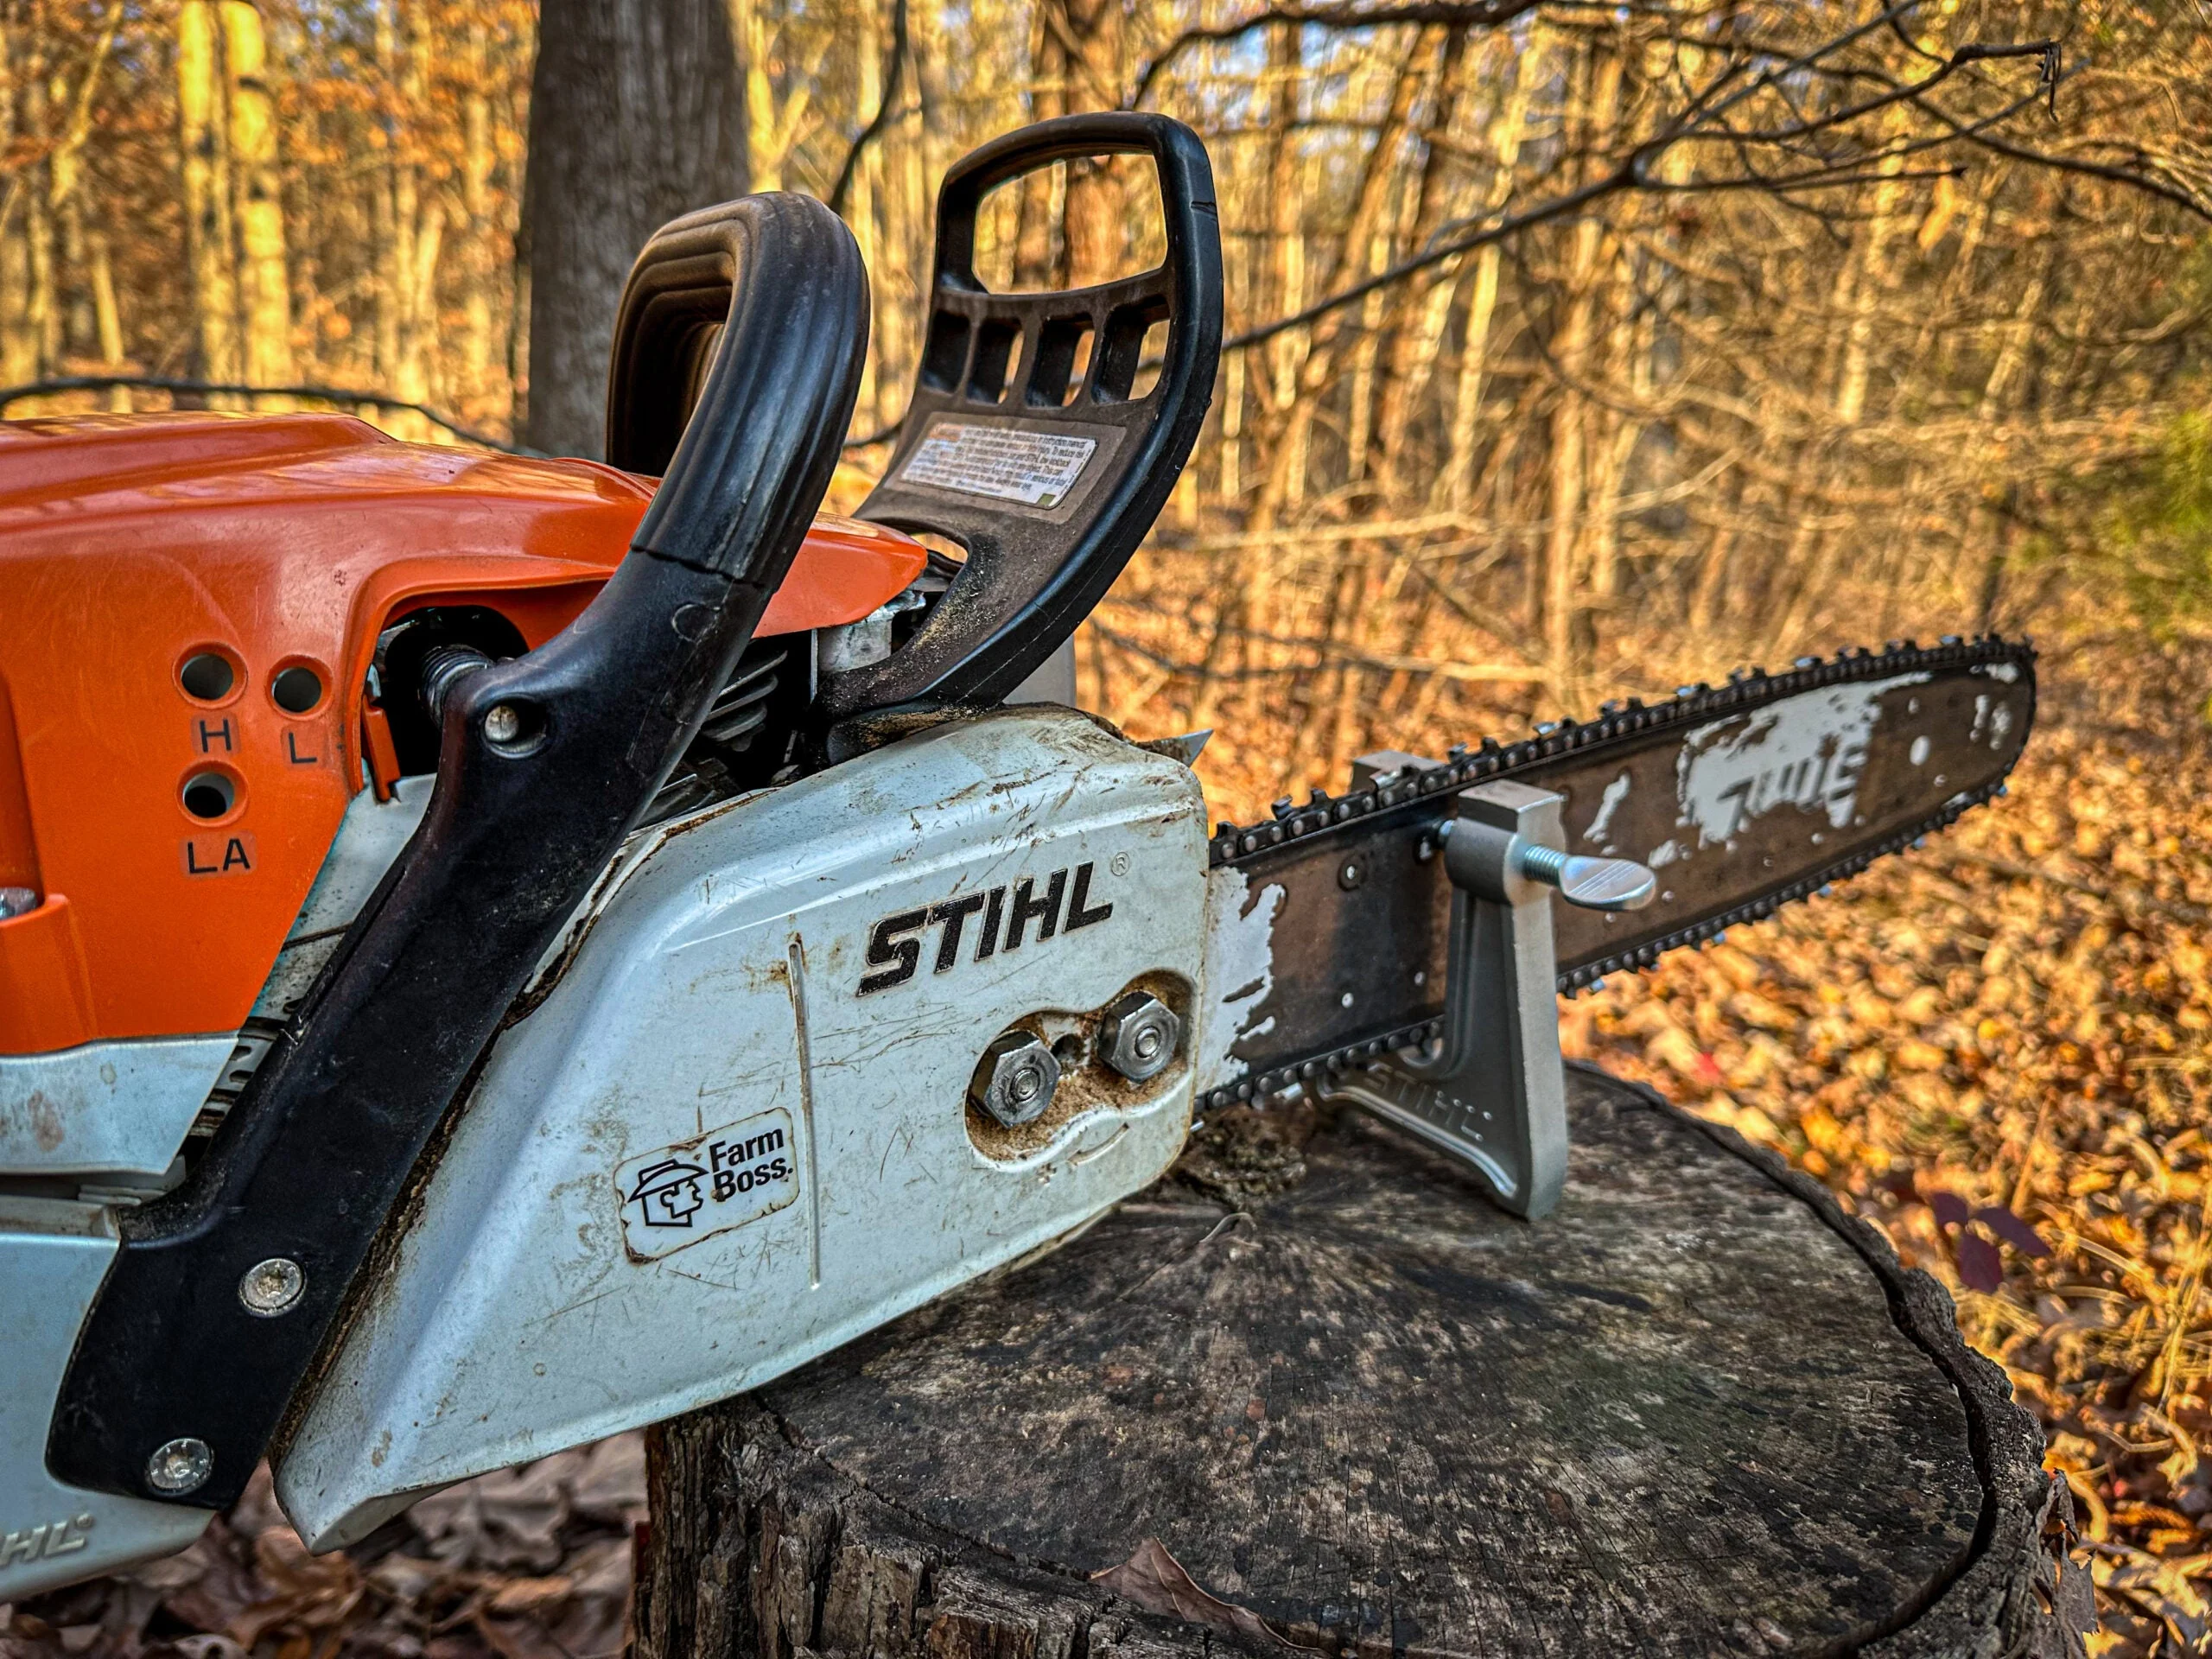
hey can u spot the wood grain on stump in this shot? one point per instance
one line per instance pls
(1695, 1411)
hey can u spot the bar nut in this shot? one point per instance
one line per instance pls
(1138, 1035)
(1016, 1079)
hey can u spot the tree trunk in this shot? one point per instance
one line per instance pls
(1569, 626)
(637, 116)
(479, 251)
(107, 318)
(204, 140)
(1457, 483)
(867, 176)
(1413, 343)
(1313, 1392)
(264, 283)
(1289, 428)
(1094, 231)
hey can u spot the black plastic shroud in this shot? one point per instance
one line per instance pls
(1034, 572)
(317, 1152)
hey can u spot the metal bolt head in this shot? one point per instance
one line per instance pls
(180, 1466)
(1138, 1035)
(1017, 1080)
(503, 724)
(268, 1289)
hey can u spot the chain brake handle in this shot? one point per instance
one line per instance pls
(310, 1165)
(1034, 568)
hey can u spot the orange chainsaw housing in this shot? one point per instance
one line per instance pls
(131, 545)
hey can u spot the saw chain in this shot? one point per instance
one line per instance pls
(1408, 803)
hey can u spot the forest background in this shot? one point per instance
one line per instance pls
(1577, 351)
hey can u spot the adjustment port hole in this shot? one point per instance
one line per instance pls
(207, 676)
(296, 689)
(209, 795)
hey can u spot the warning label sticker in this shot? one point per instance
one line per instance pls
(726, 1177)
(1035, 468)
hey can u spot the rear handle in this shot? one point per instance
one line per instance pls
(1091, 463)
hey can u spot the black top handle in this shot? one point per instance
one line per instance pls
(547, 761)
(1048, 486)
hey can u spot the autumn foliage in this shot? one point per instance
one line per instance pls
(1679, 336)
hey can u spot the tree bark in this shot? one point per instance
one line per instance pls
(203, 139)
(264, 281)
(1313, 1392)
(480, 260)
(637, 116)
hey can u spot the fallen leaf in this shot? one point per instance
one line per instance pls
(530, 1595)
(206, 1587)
(1155, 1581)
(502, 1522)
(2013, 1230)
(1913, 1055)
(610, 1487)
(1980, 1268)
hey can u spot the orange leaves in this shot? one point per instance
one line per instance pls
(1913, 1055)
(1760, 1013)
(1672, 1047)
(310, 1595)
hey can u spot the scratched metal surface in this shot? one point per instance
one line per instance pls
(706, 1154)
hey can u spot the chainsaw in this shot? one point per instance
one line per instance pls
(499, 952)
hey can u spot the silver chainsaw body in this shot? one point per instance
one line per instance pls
(706, 1155)
(54, 1252)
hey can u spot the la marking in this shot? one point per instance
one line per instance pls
(235, 854)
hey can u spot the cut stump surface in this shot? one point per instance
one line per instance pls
(1697, 1410)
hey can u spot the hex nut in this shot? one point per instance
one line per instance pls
(1139, 1036)
(1017, 1078)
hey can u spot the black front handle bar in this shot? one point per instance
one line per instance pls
(547, 761)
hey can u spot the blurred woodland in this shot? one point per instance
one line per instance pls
(1577, 351)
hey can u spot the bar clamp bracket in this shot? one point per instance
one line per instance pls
(1492, 1092)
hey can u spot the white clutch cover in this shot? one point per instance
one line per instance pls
(734, 1129)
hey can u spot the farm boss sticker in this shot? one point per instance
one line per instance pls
(726, 1177)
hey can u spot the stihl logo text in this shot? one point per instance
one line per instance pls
(63, 1537)
(1003, 919)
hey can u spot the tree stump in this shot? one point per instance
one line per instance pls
(1323, 1397)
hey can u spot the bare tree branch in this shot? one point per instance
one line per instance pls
(1465, 14)
(894, 65)
(1703, 121)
